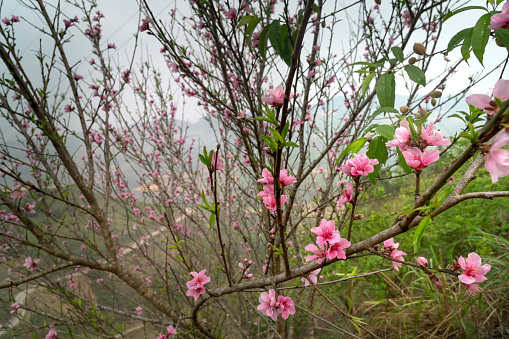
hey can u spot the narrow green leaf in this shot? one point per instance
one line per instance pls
(354, 147)
(366, 82)
(398, 53)
(387, 131)
(386, 90)
(212, 220)
(480, 36)
(275, 38)
(459, 37)
(465, 48)
(286, 51)
(420, 231)
(246, 20)
(250, 29)
(450, 14)
(416, 74)
(291, 144)
(284, 132)
(262, 42)
(276, 135)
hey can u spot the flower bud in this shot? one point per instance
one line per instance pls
(376, 247)
(434, 102)
(435, 94)
(419, 49)
(378, 2)
(403, 109)
(422, 261)
(323, 24)
(417, 116)
(422, 112)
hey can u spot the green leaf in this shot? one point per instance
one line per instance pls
(382, 110)
(503, 35)
(480, 36)
(250, 29)
(366, 82)
(246, 20)
(377, 150)
(416, 74)
(459, 37)
(286, 51)
(212, 220)
(386, 90)
(276, 135)
(275, 38)
(420, 231)
(450, 14)
(291, 144)
(465, 48)
(402, 162)
(387, 131)
(398, 53)
(354, 147)
(262, 42)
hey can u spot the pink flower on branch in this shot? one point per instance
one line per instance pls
(431, 137)
(269, 199)
(500, 20)
(392, 251)
(359, 165)
(401, 137)
(319, 254)
(311, 276)
(283, 178)
(347, 195)
(276, 96)
(286, 306)
(497, 162)
(195, 285)
(473, 272)
(31, 264)
(268, 304)
(485, 103)
(422, 261)
(326, 232)
(419, 160)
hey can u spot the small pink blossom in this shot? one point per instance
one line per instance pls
(6, 21)
(286, 306)
(473, 272)
(112, 46)
(312, 276)
(359, 165)
(77, 76)
(15, 307)
(18, 193)
(52, 334)
(422, 261)
(144, 24)
(318, 253)
(326, 233)
(219, 165)
(485, 103)
(347, 195)
(419, 160)
(195, 285)
(269, 199)
(231, 14)
(500, 20)
(432, 137)
(283, 178)
(472, 289)
(268, 305)
(401, 137)
(497, 162)
(276, 96)
(336, 250)
(392, 251)
(31, 264)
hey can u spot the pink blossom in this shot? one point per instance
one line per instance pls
(422, 261)
(231, 14)
(392, 251)
(318, 253)
(269, 198)
(285, 306)
(312, 276)
(432, 137)
(268, 305)
(359, 165)
(501, 20)
(336, 250)
(31, 264)
(52, 334)
(276, 96)
(112, 46)
(17, 194)
(283, 178)
(401, 137)
(472, 289)
(473, 272)
(173, 67)
(347, 194)
(485, 103)
(219, 165)
(77, 76)
(14, 18)
(15, 307)
(6, 21)
(195, 286)
(326, 233)
(497, 162)
(418, 160)
(144, 24)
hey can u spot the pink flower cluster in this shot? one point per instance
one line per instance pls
(501, 20)
(268, 196)
(415, 153)
(276, 96)
(330, 244)
(359, 165)
(391, 250)
(195, 286)
(169, 331)
(497, 162)
(346, 196)
(484, 102)
(271, 307)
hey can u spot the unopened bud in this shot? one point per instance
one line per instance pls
(499, 42)
(376, 247)
(434, 102)
(435, 94)
(378, 2)
(403, 109)
(422, 112)
(419, 49)
(417, 116)
(323, 24)
(412, 60)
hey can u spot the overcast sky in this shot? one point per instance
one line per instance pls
(122, 20)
